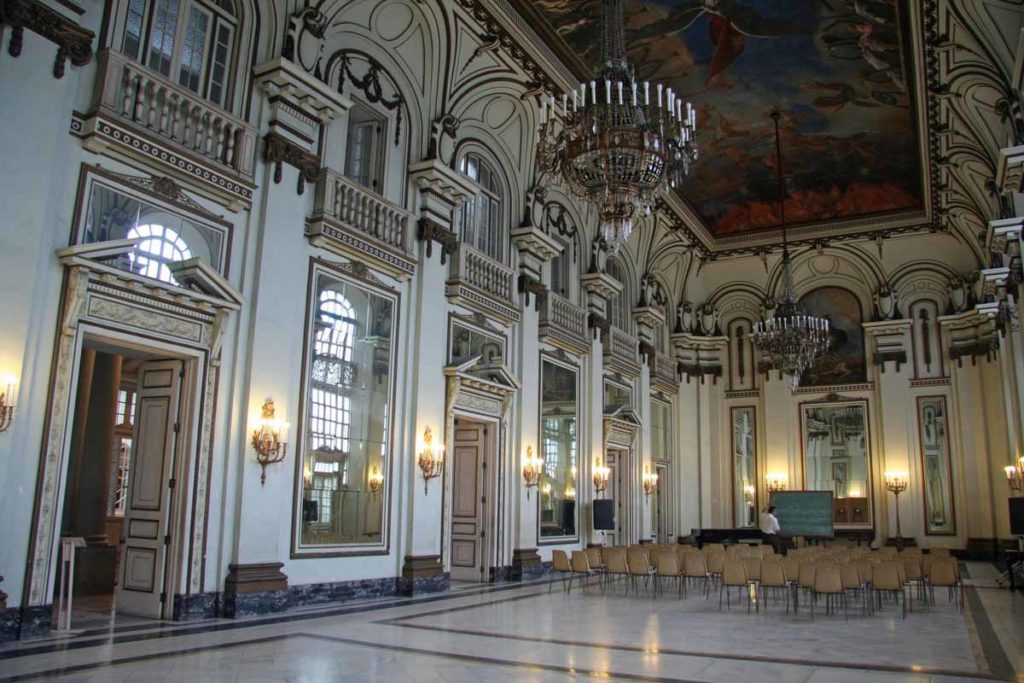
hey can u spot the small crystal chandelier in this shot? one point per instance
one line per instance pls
(616, 142)
(790, 340)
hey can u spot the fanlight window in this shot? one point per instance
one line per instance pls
(185, 40)
(479, 219)
(160, 245)
(618, 308)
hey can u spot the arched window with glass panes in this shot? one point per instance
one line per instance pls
(562, 272)
(618, 308)
(158, 247)
(188, 41)
(479, 219)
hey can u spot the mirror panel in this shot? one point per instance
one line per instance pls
(744, 468)
(559, 419)
(939, 509)
(835, 442)
(347, 407)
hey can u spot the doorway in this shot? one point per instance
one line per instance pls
(470, 519)
(661, 502)
(119, 491)
(618, 490)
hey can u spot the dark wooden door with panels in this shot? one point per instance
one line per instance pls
(470, 519)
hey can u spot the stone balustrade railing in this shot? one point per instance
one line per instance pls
(621, 351)
(486, 275)
(564, 324)
(363, 210)
(147, 99)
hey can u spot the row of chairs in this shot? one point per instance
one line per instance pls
(757, 571)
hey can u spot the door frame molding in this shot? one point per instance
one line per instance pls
(102, 302)
(481, 390)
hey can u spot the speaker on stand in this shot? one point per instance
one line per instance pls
(1016, 529)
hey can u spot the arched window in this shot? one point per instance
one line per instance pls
(479, 219)
(618, 308)
(561, 272)
(160, 245)
(333, 373)
(188, 41)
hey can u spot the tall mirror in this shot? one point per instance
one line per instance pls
(835, 441)
(558, 412)
(939, 514)
(744, 468)
(347, 407)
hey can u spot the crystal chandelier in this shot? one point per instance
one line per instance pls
(790, 340)
(617, 142)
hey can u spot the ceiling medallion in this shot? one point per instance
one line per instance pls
(790, 340)
(616, 142)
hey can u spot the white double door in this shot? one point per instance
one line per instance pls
(141, 586)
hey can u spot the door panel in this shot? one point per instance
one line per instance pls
(143, 549)
(468, 508)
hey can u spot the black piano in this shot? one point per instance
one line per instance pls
(726, 536)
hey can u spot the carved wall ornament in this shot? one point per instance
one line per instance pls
(598, 255)
(73, 41)
(369, 84)
(304, 41)
(165, 188)
(598, 322)
(428, 231)
(684, 317)
(279, 150)
(886, 304)
(444, 125)
(531, 285)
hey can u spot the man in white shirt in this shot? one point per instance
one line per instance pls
(770, 529)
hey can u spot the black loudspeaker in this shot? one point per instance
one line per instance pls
(1017, 516)
(604, 515)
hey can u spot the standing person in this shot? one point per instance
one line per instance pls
(770, 529)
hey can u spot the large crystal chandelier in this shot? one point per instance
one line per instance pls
(617, 142)
(789, 339)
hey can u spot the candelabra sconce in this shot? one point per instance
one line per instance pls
(430, 459)
(532, 468)
(268, 439)
(7, 403)
(896, 483)
(601, 475)
(1014, 475)
(650, 482)
(775, 482)
(375, 480)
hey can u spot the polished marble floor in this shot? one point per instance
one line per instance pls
(525, 632)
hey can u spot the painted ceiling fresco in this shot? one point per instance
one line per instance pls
(837, 69)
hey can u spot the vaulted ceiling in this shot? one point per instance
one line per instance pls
(846, 74)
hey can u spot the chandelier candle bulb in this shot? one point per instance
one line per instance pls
(634, 93)
(593, 92)
(659, 96)
(647, 94)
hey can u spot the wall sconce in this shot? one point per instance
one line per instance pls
(430, 459)
(570, 492)
(267, 439)
(7, 400)
(897, 483)
(375, 480)
(601, 474)
(1014, 475)
(650, 481)
(532, 467)
(775, 482)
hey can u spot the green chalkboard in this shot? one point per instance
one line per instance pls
(804, 513)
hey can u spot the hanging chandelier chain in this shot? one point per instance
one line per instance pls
(616, 142)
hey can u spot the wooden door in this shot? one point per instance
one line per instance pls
(469, 500)
(661, 508)
(618, 489)
(145, 536)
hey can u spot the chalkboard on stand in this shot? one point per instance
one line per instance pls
(804, 513)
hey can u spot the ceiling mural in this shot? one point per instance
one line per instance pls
(839, 71)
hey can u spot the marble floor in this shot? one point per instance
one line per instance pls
(524, 632)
